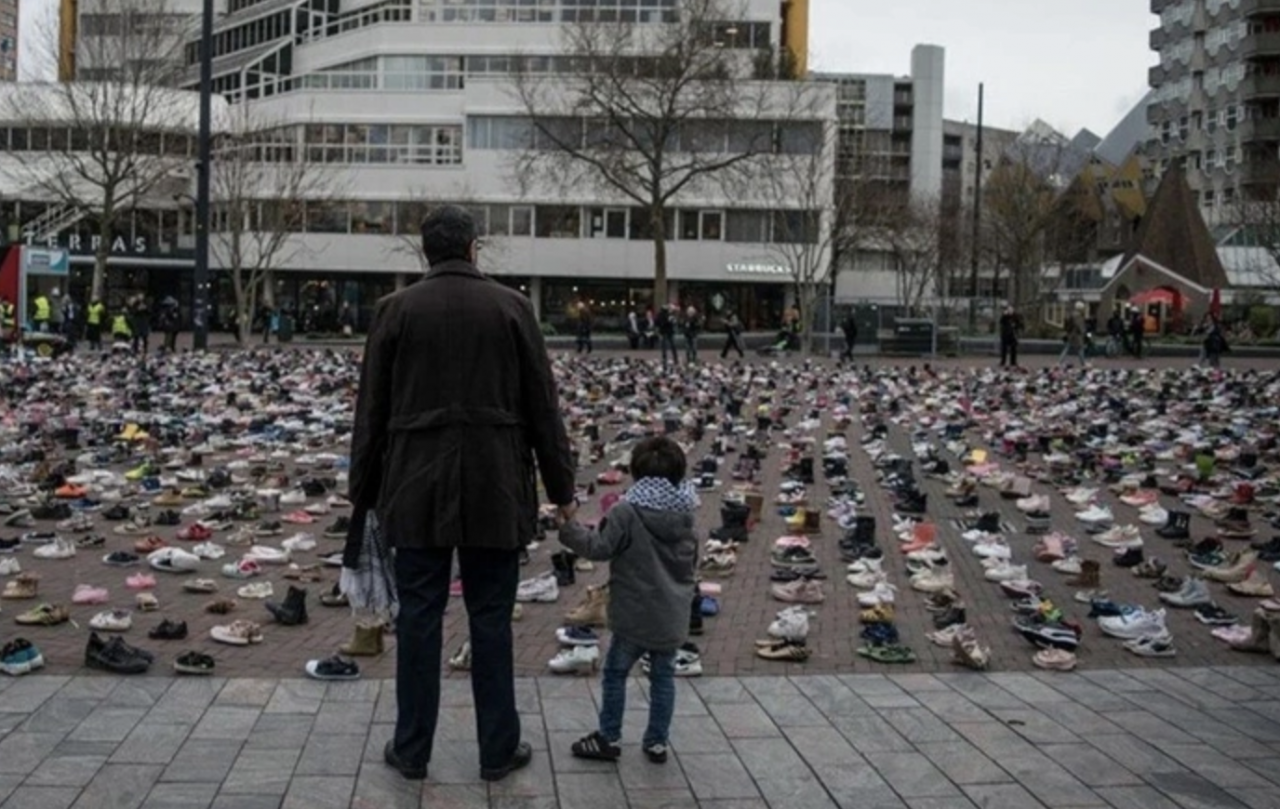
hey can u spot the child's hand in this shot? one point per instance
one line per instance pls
(566, 513)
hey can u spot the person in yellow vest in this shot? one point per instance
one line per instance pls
(121, 332)
(93, 324)
(43, 312)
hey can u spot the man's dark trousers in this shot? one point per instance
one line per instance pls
(1009, 351)
(489, 580)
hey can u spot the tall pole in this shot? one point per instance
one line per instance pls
(977, 221)
(200, 300)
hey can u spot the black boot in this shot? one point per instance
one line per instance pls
(294, 609)
(733, 518)
(806, 470)
(988, 522)
(695, 615)
(563, 569)
(1177, 527)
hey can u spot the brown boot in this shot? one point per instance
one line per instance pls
(367, 641)
(1090, 577)
(813, 522)
(594, 609)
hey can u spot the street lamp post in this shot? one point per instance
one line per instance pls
(200, 302)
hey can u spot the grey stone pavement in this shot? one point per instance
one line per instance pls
(1140, 739)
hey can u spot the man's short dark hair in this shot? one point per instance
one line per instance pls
(658, 457)
(447, 235)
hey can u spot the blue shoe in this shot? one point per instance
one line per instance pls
(20, 657)
(577, 636)
(709, 606)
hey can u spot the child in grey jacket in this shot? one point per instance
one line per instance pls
(648, 539)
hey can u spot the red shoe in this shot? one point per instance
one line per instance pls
(1243, 494)
(298, 518)
(195, 533)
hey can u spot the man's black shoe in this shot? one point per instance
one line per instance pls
(518, 761)
(405, 769)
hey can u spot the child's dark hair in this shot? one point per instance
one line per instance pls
(658, 457)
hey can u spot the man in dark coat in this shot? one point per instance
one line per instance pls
(850, 328)
(1010, 329)
(456, 400)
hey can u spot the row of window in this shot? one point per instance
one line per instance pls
(536, 221)
(417, 72)
(1228, 118)
(706, 137)
(62, 139)
(548, 11)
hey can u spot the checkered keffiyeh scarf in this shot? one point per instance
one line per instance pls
(660, 494)
(372, 585)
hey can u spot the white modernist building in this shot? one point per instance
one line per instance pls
(409, 103)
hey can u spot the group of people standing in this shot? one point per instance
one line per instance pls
(128, 325)
(1126, 333)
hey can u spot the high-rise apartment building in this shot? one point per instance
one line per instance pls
(8, 40)
(1214, 109)
(891, 127)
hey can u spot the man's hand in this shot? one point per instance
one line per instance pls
(566, 513)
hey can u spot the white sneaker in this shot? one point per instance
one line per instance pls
(791, 623)
(60, 548)
(932, 556)
(1097, 515)
(1070, 565)
(1034, 503)
(867, 580)
(1081, 496)
(112, 620)
(933, 582)
(1153, 515)
(542, 589)
(257, 589)
(1120, 536)
(993, 549)
(882, 593)
(9, 566)
(1152, 646)
(866, 565)
(299, 542)
(1006, 572)
(688, 664)
(267, 555)
(208, 550)
(575, 660)
(974, 536)
(295, 497)
(1135, 624)
(1194, 592)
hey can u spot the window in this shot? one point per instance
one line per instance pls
(607, 223)
(711, 225)
(794, 227)
(1210, 199)
(558, 222)
(521, 220)
(1232, 117)
(746, 227)
(372, 217)
(326, 217)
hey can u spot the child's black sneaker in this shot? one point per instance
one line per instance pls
(656, 753)
(597, 748)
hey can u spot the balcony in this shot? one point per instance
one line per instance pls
(1260, 129)
(1260, 87)
(1257, 45)
(1253, 8)
(1157, 6)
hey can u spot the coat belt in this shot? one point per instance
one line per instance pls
(454, 416)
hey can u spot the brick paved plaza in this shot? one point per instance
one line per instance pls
(1189, 738)
(1198, 730)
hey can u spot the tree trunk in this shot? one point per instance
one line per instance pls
(659, 225)
(101, 254)
(808, 302)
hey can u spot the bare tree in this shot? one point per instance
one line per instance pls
(408, 241)
(653, 111)
(914, 238)
(98, 147)
(807, 238)
(261, 187)
(1020, 208)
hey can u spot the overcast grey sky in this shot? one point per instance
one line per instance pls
(1074, 64)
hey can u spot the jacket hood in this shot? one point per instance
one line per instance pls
(667, 527)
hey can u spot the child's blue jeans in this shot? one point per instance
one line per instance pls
(622, 657)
